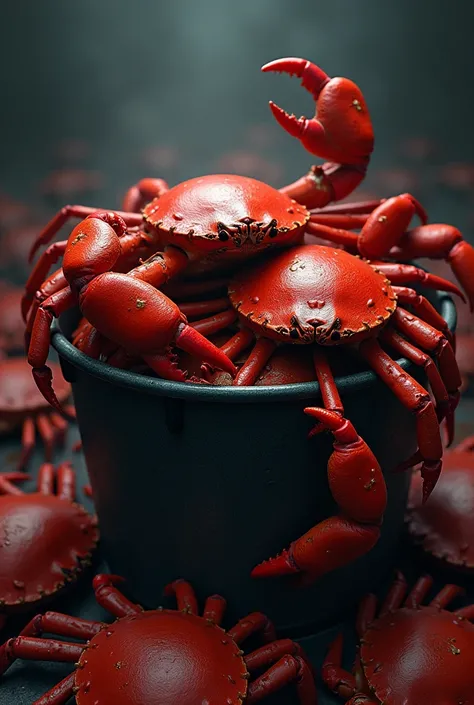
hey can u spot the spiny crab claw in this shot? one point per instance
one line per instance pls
(342, 131)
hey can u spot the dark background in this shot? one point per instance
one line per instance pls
(173, 89)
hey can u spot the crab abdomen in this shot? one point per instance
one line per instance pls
(415, 656)
(313, 293)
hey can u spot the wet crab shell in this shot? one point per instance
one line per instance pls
(423, 655)
(19, 395)
(45, 543)
(176, 656)
(444, 526)
(313, 293)
(205, 213)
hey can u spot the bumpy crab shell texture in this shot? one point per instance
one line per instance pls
(208, 212)
(306, 294)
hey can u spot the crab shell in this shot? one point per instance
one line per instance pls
(417, 656)
(313, 294)
(45, 542)
(161, 656)
(19, 395)
(203, 214)
(444, 526)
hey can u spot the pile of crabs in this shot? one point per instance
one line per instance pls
(225, 280)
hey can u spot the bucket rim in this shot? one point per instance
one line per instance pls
(152, 385)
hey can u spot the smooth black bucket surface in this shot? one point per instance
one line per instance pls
(205, 482)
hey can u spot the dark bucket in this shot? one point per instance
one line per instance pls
(204, 482)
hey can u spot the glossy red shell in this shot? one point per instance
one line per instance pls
(161, 656)
(418, 656)
(444, 526)
(44, 543)
(19, 394)
(227, 215)
(313, 293)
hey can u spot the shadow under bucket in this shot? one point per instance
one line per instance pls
(205, 482)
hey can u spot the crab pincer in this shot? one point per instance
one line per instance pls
(341, 132)
(358, 486)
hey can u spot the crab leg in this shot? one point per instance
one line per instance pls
(288, 669)
(66, 481)
(433, 340)
(201, 308)
(438, 387)
(341, 132)
(213, 324)
(447, 595)
(256, 361)
(27, 441)
(181, 291)
(348, 222)
(40, 272)
(238, 343)
(58, 694)
(395, 595)
(142, 193)
(6, 480)
(46, 479)
(423, 309)
(358, 486)
(60, 424)
(254, 622)
(336, 678)
(68, 212)
(48, 435)
(409, 274)
(419, 592)
(337, 235)
(214, 609)
(354, 208)
(440, 241)
(414, 397)
(53, 307)
(110, 598)
(327, 384)
(185, 596)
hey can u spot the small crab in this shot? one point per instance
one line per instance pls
(170, 657)
(410, 653)
(22, 405)
(444, 526)
(46, 539)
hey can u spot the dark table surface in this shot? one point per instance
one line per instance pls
(174, 90)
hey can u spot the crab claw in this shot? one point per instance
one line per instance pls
(357, 484)
(342, 130)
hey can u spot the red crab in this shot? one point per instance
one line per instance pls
(46, 539)
(207, 222)
(22, 405)
(444, 526)
(305, 295)
(410, 653)
(162, 656)
(12, 326)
